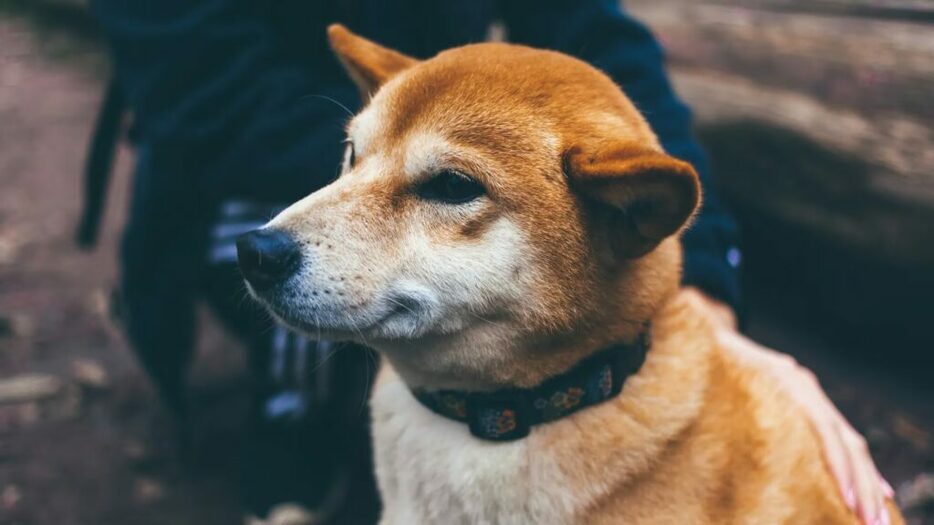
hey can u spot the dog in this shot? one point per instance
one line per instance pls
(505, 232)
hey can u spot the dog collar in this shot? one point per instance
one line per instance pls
(509, 414)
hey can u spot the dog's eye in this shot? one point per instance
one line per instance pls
(350, 156)
(451, 187)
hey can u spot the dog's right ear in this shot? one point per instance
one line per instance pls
(369, 64)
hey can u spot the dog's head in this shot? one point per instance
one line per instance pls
(496, 201)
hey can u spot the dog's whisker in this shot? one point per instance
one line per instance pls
(484, 319)
(329, 99)
(317, 326)
(319, 364)
(366, 368)
(370, 356)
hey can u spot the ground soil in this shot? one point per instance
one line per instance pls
(98, 449)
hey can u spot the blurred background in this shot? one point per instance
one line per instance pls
(819, 119)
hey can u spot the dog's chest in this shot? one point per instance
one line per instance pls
(431, 470)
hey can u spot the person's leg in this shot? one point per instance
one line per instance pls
(160, 261)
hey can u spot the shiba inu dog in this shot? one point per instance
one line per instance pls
(505, 231)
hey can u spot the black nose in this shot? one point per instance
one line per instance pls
(267, 257)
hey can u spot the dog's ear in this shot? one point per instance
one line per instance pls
(369, 64)
(639, 196)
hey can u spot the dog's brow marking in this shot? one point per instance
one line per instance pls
(425, 153)
(364, 126)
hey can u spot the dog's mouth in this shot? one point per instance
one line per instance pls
(311, 321)
(391, 317)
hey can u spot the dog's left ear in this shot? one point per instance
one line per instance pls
(640, 196)
(369, 64)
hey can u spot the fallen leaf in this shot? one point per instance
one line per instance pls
(10, 497)
(90, 374)
(28, 387)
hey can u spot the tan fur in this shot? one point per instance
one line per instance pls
(574, 247)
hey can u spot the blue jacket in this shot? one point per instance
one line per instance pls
(219, 90)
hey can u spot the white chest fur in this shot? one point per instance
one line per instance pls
(432, 471)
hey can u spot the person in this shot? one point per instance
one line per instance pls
(238, 109)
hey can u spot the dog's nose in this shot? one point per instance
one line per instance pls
(267, 257)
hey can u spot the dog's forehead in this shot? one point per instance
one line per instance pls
(514, 107)
(425, 134)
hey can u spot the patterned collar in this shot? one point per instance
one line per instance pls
(509, 414)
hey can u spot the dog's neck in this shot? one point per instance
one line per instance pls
(506, 361)
(648, 412)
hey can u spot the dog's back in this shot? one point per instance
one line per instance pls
(749, 456)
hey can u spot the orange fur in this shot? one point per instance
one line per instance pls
(695, 437)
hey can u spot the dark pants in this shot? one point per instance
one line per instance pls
(307, 430)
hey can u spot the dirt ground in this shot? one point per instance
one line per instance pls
(85, 442)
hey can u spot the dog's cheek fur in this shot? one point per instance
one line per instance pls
(475, 279)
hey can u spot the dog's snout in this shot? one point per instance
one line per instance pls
(267, 257)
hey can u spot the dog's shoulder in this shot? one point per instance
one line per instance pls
(771, 466)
